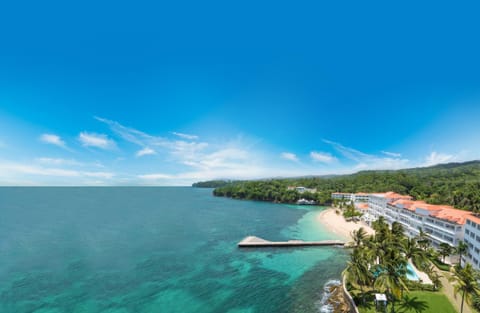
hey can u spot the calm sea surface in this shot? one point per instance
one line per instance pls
(156, 250)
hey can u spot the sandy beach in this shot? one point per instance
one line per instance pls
(336, 223)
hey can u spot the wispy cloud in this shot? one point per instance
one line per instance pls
(58, 161)
(67, 162)
(186, 136)
(145, 151)
(437, 158)
(96, 140)
(289, 156)
(53, 140)
(322, 157)
(155, 176)
(8, 168)
(392, 154)
(186, 152)
(369, 161)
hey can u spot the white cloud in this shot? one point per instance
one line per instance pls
(368, 161)
(145, 151)
(104, 175)
(96, 140)
(438, 158)
(186, 136)
(155, 176)
(392, 154)
(322, 157)
(44, 175)
(58, 161)
(53, 140)
(289, 156)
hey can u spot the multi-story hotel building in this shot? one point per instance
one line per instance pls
(472, 239)
(442, 223)
(377, 203)
(352, 197)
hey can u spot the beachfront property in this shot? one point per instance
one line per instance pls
(472, 239)
(351, 197)
(442, 223)
(301, 189)
(377, 204)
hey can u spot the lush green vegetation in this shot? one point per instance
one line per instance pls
(466, 283)
(378, 265)
(416, 301)
(440, 265)
(211, 184)
(457, 184)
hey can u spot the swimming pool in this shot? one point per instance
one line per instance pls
(411, 275)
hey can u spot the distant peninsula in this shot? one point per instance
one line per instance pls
(456, 184)
(211, 183)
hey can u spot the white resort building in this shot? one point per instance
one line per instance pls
(442, 223)
(351, 197)
(301, 189)
(472, 239)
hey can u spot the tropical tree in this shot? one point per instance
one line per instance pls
(445, 250)
(415, 253)
(391, 279)
(397, 230)
(466, 283)
(435, 277)
(358, 237)
(461, 249)
(357, 271)
(423, 239)
(380, 227)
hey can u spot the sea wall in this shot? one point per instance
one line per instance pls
(348, 297)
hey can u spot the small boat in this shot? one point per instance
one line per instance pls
(306, 202)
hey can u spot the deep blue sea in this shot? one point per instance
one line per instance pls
(159, 249)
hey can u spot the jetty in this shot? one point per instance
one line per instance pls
(256, 242)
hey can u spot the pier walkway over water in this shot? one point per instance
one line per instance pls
(256, 242)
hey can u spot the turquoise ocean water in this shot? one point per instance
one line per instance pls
(169, 250)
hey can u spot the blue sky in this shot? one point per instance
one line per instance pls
(144, 93)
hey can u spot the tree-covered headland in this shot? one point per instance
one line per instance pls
(456, 184)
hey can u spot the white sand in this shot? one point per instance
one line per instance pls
(337, 224)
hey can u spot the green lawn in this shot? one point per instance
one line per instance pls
(417, 302)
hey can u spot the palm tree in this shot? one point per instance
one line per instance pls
(392, 279)
(465, 280)
(435, 277)
(397, 229)
(415, 253)
(357, 271)
(461, 249)
(423, 239)
(380, 227)
(445, 250)
(358, 236)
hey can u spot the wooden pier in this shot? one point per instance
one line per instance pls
(256, 242)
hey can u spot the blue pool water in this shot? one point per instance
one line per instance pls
(411, 275)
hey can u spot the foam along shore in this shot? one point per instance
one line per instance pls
(336, 224)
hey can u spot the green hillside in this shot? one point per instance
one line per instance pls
(457, 184)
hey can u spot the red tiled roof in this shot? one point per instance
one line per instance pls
(474, 219)
(444, 212)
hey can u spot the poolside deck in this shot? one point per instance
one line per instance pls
(253, 241)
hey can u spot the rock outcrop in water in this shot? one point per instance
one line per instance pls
(334, 299)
